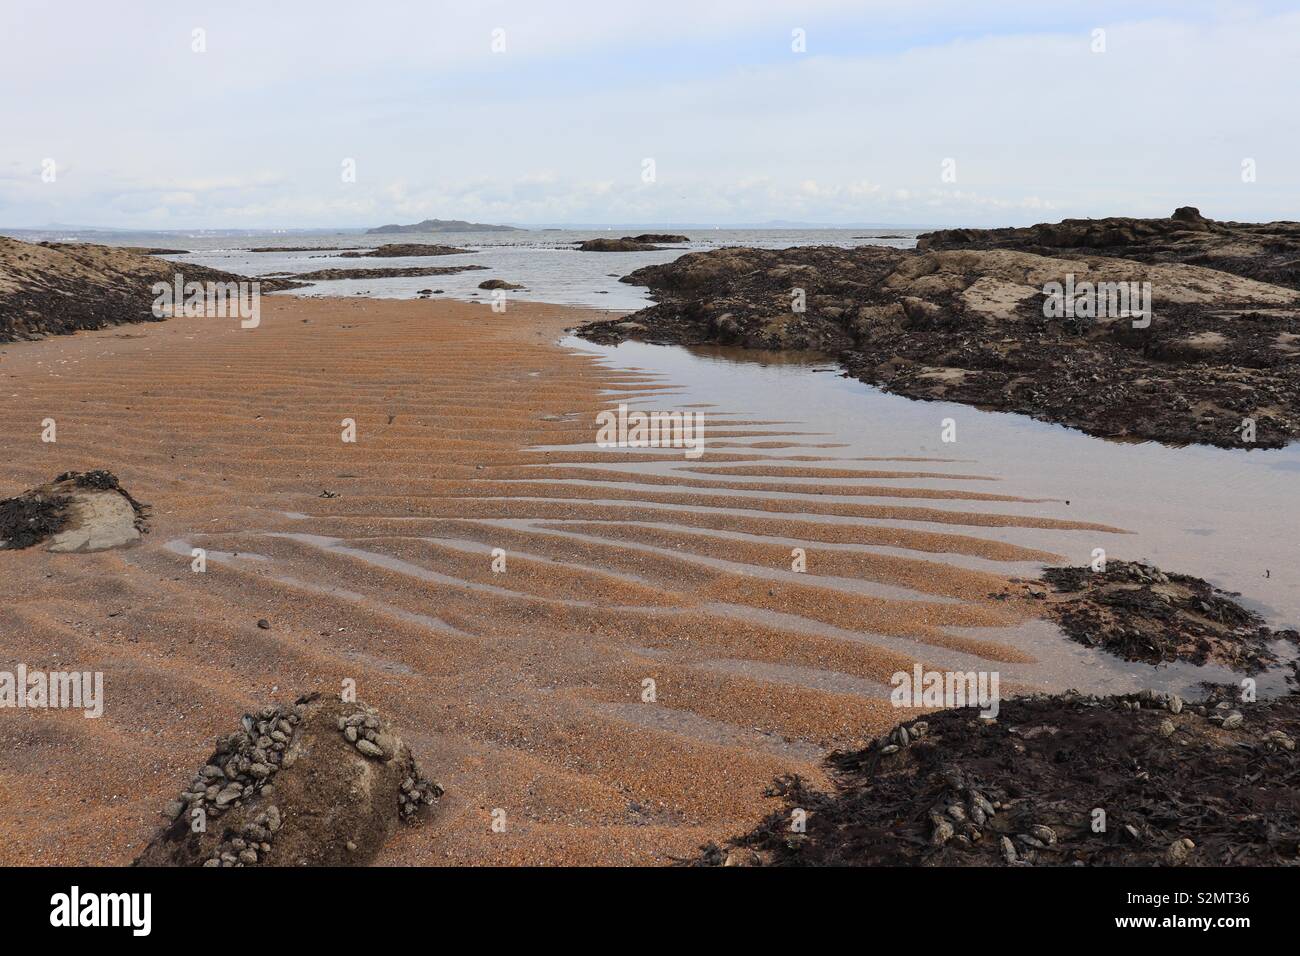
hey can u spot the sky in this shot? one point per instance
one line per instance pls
(253, 115)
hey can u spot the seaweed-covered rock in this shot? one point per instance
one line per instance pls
(55, 288)
(76, 512)
(1055, 780)
(1121, 331)
(1140, 613)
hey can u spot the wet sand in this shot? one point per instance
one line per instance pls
(519, 690)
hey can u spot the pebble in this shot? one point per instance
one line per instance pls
(1179, 851)
(369, 749)
(1166, 728)
(1008, 851)
(1046, 834)
(1234, 719)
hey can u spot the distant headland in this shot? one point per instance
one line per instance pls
(442, 225)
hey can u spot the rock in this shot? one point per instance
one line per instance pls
(1179, 851)
(325, 794)
(405, 250)
(656, 237)
(369, 749)
(77, 512)
(942, 833)
(498, 284)
(1234, 719)
(1009, 855)
(1166, 728)
(742, 856)
(616, 245)
(55, 288)
(263, 623)
(968, 317)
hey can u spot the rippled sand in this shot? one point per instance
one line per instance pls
(519, 690)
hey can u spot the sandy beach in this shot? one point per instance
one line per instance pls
(520, 691)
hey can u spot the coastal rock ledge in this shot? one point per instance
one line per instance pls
(969, 316)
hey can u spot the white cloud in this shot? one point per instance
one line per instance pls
(252, 132)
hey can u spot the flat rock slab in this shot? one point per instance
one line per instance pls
(97, 521)
(77, 512)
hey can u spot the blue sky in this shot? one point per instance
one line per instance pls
(1029, 122)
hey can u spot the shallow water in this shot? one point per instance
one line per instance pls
(542, 260)
(1225, 515)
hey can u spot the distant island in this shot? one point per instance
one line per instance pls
(442, 225)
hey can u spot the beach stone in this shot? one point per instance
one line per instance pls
(1009, 855)
(1179, 851)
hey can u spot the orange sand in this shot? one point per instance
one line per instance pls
(520, 691)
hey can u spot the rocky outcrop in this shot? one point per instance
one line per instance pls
(652, 237)
(625, 244)
(1140, 613)
(409, 272)
(953, 789)
(320, 782)
(1216, 361)
(1268, 252)
(56, 288)
(76, 512)
(395, 250)
(498, 284)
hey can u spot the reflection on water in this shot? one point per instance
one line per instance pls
(737, 355)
